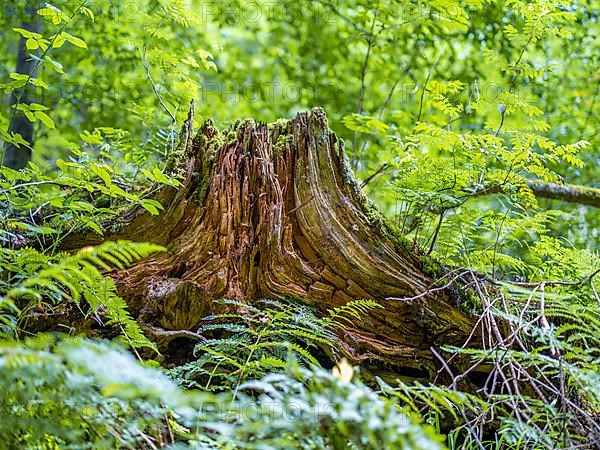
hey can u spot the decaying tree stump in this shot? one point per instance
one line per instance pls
(272, 211)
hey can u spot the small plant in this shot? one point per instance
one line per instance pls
(542, 384)
(35, 281)
(260, 338)
(76, 393)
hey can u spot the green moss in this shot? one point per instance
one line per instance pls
(103, 201)
(208, 139)
(241, 124)
(207, 143)
(380, 222)
(232, 134)
(278, 124)
(283, 140)
(231, 137)
(469, 301)
(115, 226)
(430, 266)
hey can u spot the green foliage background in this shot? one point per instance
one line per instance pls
(448, 108)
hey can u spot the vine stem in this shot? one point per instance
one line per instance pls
(237, 386)
(514, 77)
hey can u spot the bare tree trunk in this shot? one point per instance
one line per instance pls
(273, 211)
(18, 157)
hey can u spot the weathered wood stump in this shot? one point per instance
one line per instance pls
(273, 211)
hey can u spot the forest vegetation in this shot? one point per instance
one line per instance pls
(327, 224)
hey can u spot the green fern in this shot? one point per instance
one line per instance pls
(38, 280)
(68, 392)
(354, 310)
(261, 337)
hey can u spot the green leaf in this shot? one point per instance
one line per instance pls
(16, 139)
(30, 116)
(53, 14)
(19, 76)
(152, 206)
(116, 191)
(34, 228)
(55, 65)
(89, 138)
(74, 40)
(102, 173)
(45, 119)
(37, 107)
(94, 226)
(31, 44)
(39, 83)
(88, 12)
(10, 174)
(58, 41)
(25, 33)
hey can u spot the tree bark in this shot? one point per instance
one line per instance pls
(273, 211)
(571, 193)
(566, 192)
(18, 157)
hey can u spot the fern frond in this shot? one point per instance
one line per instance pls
(63, 277)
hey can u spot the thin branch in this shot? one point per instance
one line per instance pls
(363, 73)
(571, 193)
(31, 74)
(525, 284)
(514, 79)
(149, 76)
(375, 174)
(363, 68)
(429, 73)
(566, 192)
(437, 231)
(302, 205)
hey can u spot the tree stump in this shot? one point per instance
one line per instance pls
(273, 211)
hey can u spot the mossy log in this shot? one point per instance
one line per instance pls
(273, 211)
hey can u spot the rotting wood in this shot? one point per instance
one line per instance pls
(273, 211)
